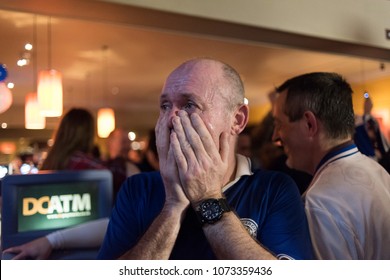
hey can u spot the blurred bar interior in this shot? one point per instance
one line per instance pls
(147, 39)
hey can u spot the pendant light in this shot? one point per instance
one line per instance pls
(105, 116)
(50, 86)
(105, 122)
(33, 117)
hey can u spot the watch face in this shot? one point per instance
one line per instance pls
(210, 210)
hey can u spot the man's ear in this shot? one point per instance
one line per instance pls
(240, 119)
(311, 123)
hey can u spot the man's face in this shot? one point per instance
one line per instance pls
(291, 135)
(194, 91)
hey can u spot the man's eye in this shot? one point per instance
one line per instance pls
(189, 105)
(164, 107)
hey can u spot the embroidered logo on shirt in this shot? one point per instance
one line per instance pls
(250, 226)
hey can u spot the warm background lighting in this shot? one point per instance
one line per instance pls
(105, 122)
(50, 93)
(33, 117)
(132, 136)
(28, 47)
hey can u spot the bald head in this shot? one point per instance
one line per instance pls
(220, 78)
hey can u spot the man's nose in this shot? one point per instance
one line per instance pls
(172, 113)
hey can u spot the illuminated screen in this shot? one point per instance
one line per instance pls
(54, 206)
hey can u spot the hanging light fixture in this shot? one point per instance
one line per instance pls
(50, 86)
(33, 118)
(105, 122)
(105, 116)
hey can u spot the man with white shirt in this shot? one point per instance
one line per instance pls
(347, 202)
(205, 203)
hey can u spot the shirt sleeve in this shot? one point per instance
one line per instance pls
(86, 235)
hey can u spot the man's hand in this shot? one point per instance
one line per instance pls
(367, 106)
(201, 165)
(158, 241)
(174, 193)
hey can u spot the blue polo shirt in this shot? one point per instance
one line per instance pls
(268, 204)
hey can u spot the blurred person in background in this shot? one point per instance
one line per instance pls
(244, 143)
(118, 147)
(73, 143)
(24, 163)
(149, 158)
(369, 138)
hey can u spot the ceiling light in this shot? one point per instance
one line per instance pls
(50, 93)
(33, 117)
(22, 62)
(50, 86)
(105, 116)
(25, 57)
(105, 122)
(28, 47)
(132, 136)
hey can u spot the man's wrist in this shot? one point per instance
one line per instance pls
(211, 210)
(196, 204)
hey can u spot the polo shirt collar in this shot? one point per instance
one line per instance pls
(243, 167)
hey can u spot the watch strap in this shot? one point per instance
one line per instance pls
(224, 204)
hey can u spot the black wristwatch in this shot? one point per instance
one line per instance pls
(211, 210)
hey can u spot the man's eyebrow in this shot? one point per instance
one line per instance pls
(185, 95)
(163, 96)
